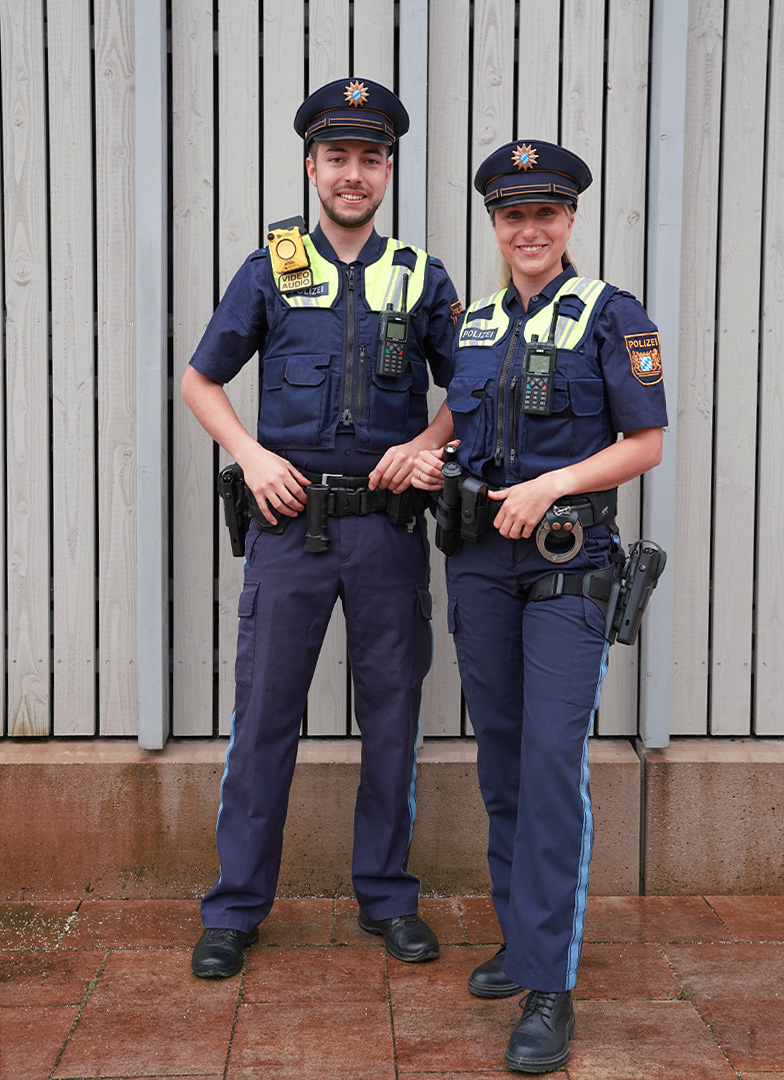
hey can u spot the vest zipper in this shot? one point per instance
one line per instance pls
(348, 375)
(514, 404)
(361, 381)
(498, 457)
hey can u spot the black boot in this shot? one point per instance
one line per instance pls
(219, 952)
(407, 937)
(540, 1042)
(489, 980)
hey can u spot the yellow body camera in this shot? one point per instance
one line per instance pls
(289, 258)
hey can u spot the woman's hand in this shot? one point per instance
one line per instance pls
(524, 505)
(427, 468)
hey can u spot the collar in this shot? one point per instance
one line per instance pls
(541, 299)
(370, 253)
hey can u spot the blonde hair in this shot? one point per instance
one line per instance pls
(504, 270)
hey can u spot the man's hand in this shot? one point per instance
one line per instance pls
(395, 469)
(275, 483)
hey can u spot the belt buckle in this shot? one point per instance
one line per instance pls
(327, 476)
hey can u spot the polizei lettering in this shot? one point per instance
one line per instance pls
(474, 334)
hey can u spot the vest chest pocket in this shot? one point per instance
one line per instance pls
(398, 406)
(294, 398)
(472, 404)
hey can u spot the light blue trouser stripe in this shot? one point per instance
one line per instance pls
(581, 894)
(412, 787)
(223, 780)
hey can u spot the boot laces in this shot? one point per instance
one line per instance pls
(216, 935)
(540, 1001)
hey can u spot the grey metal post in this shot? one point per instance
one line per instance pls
(151, 373)
(412, 167)
(665, 209)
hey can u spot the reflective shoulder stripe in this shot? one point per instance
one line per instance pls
(485, 332)
(568, 332)
(324, 290)
(384, 280)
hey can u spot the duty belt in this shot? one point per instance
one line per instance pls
(351, 495)
(466, 513)
(333, 495)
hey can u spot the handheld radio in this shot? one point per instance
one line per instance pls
(539, 360)
(392, 337)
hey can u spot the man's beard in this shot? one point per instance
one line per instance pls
(333, 209)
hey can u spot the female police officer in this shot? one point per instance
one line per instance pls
(548, 371)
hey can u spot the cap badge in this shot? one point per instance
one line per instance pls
(356, 94)
(525, 157)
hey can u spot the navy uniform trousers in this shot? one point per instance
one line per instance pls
(380, 572)
(531, 675)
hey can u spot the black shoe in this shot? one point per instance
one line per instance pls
(218, 952)
(406, 937)
(540, 1042)
(489, 980)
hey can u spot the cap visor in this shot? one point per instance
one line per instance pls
(356, 134)
(535, 197)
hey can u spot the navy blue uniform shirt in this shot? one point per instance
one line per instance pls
(244, 321)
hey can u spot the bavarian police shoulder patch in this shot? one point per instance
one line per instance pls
(645, 356)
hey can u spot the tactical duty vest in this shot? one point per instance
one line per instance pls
(318, 362)
(486, 392)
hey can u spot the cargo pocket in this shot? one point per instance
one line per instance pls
(246, 634)
(425, 652)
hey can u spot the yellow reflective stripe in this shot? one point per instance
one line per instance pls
(568, 332)
(324, 272)
(384, 279)
(473, 329)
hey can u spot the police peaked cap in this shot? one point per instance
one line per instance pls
(531, 171)
(352, 109)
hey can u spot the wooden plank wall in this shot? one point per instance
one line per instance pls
(575, 71)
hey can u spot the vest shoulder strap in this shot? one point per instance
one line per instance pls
(384, 277)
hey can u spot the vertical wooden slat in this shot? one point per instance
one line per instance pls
(328, 55)
(152, 372)
(328, 697)
(283, 75)
(492, 112)
(449, 187)
(666, 154)
(192, 305)
(117, 608)
(3, 484)
(27, 374)
(538, 72)
(581, 118)
(374, 58)
(768, 718)
(623, 224)
(447, 203)
(689, 563)
(238, 235)
(73, 378)
(745, 73)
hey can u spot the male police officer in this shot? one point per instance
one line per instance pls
(344, 413)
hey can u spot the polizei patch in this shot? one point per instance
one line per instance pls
(645, 355)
